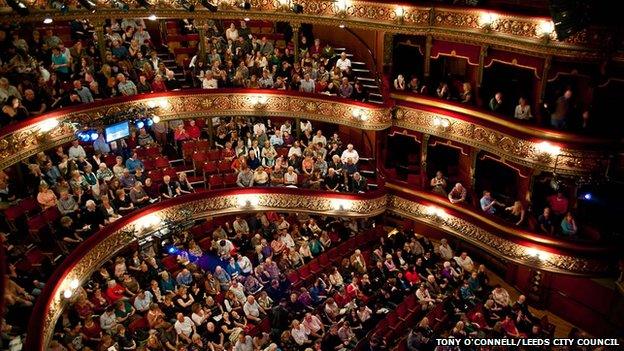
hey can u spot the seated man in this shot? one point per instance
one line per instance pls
(488, 203)
(545, 222)
(169, 189)
(457, 194)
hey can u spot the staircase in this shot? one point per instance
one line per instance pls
(365, 76)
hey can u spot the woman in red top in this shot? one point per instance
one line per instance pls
(98, 301)
(412, 276)
(115, 291)
(228, 153)
(158, 86)
(193, 131)
(180, 133)
(91, 330)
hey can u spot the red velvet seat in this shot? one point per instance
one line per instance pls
(214, 155)
(161, 162)
(208, 168)
(170, 263)
(215, 182)
(293, 277)
(229, 180)
(199, 157)
(225, 166)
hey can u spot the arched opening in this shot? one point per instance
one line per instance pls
(443, 158)
(512, 81)
(403, 155)
(496, 177)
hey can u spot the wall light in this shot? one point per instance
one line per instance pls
(68, 294)
(547, 148)
(147, 222)
(441, 122)
(545, 29)
(400, 13)
(259, 101)
(341, 204)
(247, 200)
(48, 124)
(74, 284)
(48, 20)
(486, 19)
(155, 119)
(435, 211)
(162, 103)
(283, 4)
(539, 254)
(152, 17)
(341, 7)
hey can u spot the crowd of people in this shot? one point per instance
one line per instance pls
(562, 113)
(39, 72)
(556, 218)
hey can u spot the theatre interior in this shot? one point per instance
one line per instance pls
(310, 175)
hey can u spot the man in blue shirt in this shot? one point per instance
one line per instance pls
(133, 163)
(487, 203)
(83, 92)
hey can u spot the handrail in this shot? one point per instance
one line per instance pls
(526, 237)
(481, 116)
(224, 202)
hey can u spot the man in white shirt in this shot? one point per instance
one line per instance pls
(295, 150)
(305, 125)
(319, 138)
(209, 82)
(343, 62)
(240, 226)
(244, 263)
(252, 309)
(258, 127)
(313, 325)
(290, 177)
(108, 320)
(185, 327)
(286, 127)
(287, 240)
(299, 333)
(76, 151)
(446, 252)
(143, 300)
(244, 343)
(465, 262)
(350, 153)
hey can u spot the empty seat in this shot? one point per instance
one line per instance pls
(215, 182)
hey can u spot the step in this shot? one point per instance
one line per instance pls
(375, 95)
(366, 159)
(361, 70)
(367, 173)
(359, 63)
(367, 79)
(376, 102)
(373, 186)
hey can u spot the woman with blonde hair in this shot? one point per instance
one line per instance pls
(46, 197)
(516, 213)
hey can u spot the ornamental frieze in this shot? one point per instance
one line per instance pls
(518, 32)
(494, 244)
(518, 150)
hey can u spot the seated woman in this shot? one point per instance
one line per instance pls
(438, 184)
(185, 185)
(568, 225)
(68, 232)
(122, 202)
(260, 177)
(516, 213)
(46, 197)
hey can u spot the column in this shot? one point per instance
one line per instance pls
(295, 28)
(427, 67)
(473, 167)
(210, 127)
(201, 31)
(482, 55)
(542, 91)
(298, 127)
(98, 25)
(423, 158)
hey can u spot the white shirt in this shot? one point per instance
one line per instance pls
(319, 139)
(209, 83)
(465, 263)
(343, 64)
(185, 327)
(290, 178)
(75, 152)
(285, 128)
(300, 335)
(251, 309)
(294, 151)
(305, 126)
(245, 264)
(287, 240)
(258, 127)
(446, 252)
(350, 154)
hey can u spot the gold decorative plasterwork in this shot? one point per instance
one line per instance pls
(494, 244)
(521, 151)
(111, 244)
(512, 31)
(28, 141)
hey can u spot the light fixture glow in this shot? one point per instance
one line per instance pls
(247, 200)
(74, 284)
(48, 20)
(148, 222)
(152, 17)
(67, 294)
(48, 125)
(341, 25)
(342, 5)
(486, 19)
(341, 204)
(545, 28)
(537, 253)
(156, 119)
(548, 148)
(399, 12)
(246, 19)
(435, 211)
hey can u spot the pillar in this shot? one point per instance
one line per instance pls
(210, 127)
(295, 29)
(427, 62)
(98, 25)
(482, 55)
(473, 167)
(201, 30)
(542, 90)
(423, 158)
(298, 127)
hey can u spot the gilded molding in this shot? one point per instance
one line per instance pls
(512, 31)
(521, 151)
(494, 244)
(26, 142)
(111, 244)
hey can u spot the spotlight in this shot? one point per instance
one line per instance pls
(341, 26)
(587, 196)
(19, 7)
(156, 119)
(152, 17)
(120, 5)
(84, 136)
(297, 8)
(140, 124)
(59, 5)
(149, 122)
(186, 5)
(48, 20)
(172, 249)
(94, 136)
(207, 4)
(89, 5)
